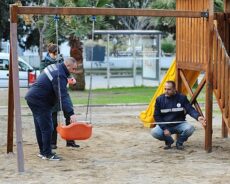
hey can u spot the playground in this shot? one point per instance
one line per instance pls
(119, 151)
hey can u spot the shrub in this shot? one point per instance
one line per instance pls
(168, 47)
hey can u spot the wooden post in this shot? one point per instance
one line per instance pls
(10, 128)
(16, 91)
(224, 130)
(209, 79)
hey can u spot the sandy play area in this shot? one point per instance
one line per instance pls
(120, 151)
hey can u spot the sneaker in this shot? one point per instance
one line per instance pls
(72, 144)
(40, 155)
(51, 157)
(179, 146)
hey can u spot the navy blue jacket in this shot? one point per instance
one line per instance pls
(174, 108)
(44, 92)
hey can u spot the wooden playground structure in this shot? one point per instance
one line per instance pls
(202, 45)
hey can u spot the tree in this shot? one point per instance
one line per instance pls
(77, 27)
(4, 20)
(134, 22)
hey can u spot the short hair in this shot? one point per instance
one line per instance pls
(52, 48)
(171, 82)
(70, 60)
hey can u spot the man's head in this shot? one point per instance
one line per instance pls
(72, 65)
(170, 88)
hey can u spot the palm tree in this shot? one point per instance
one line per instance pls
(76, 28)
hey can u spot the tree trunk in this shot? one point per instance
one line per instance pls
(76, 52)
(41, 32)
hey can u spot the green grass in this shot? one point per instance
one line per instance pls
(124, 95)
(114, 95)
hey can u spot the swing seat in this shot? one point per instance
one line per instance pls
(75, 131)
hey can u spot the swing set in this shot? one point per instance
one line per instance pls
(196, 39)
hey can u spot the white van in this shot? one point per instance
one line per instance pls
(27, 74)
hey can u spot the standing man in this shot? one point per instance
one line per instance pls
(51, 58)
(171, 108)
(41, 98)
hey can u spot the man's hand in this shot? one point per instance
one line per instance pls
(202, 120)
(72, 81)
(166, 132)
(73, 118)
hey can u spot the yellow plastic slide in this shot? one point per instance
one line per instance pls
(147, 115)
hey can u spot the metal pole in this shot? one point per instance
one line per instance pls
(108, 67)
(134, 60)
(158, 63)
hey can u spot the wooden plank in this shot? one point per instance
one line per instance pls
(219, 51)
(196, 48)
(226, 91)
(196, 67)
(187, 32)
(178, 34)
(224, 128)
(17, 105)
(106, 11)
(205, 31)
(10, 128)
(190, 37)
(200, 33)
(215, 54)
(209, 79)
(183, 34)
(222, 77)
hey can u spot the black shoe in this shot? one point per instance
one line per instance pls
(72, 144)
(179, 146)
(53, 146)
(167, 147)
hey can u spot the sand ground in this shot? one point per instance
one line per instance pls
(120, 151)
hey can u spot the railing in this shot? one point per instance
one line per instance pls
(221, 76)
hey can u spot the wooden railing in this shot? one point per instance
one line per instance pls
(221, 76)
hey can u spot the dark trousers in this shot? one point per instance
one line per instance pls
(55, 124)
(43, 127)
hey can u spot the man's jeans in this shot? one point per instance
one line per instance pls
(184, 130)
(43, 127)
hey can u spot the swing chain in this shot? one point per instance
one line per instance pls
(89, 108)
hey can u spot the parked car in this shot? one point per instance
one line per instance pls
(27, 74)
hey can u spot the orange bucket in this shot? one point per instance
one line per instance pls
(75, 131)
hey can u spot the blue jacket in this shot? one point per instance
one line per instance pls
(174, 108)
(48, 61)
(44, 92)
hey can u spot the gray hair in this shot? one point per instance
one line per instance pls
(70, 60)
